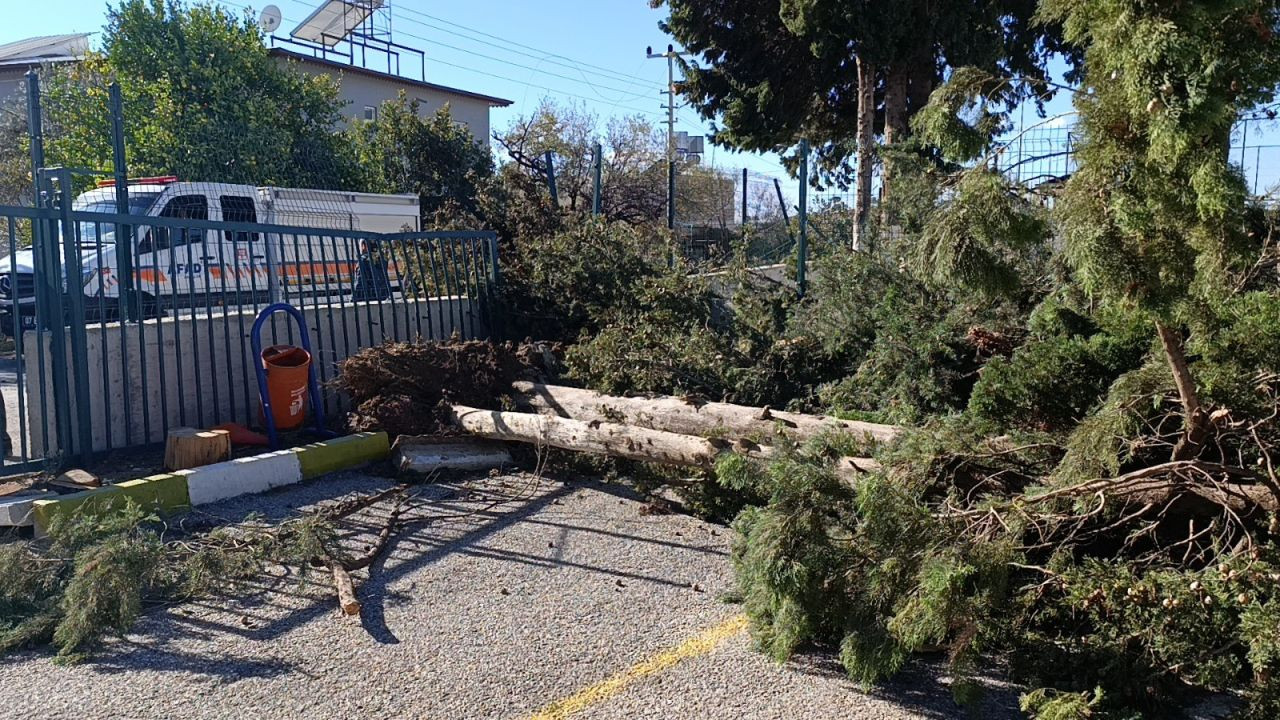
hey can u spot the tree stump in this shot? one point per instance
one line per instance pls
(187, 448)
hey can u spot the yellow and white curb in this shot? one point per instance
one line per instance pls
(177, 492)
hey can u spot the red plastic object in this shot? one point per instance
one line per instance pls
(241, 435)
(161, 180)
(288, 368)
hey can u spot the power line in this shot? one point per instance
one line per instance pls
(627, 94)
(537, 54)
(577, 64)
(523, 83)
(543, 87)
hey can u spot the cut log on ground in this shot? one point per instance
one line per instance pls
(188, 448)
(423, 454)
(346, 589)
(618, 440)
(677, 415)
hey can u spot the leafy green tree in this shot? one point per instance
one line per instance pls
(633, 177)
(203, 100)
(402, 151)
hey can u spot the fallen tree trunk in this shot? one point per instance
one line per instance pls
(618, 440)
(705, 419)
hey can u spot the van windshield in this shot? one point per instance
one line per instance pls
(94, 234)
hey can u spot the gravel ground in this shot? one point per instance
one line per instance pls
(519, 591)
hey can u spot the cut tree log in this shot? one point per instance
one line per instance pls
(346, 589)
(704, 419)
(188, 448)
(618, 440)
(423, 454)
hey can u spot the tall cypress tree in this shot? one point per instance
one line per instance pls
(1155, 217)
(839, 72)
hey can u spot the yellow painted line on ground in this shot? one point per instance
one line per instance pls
(694, 647)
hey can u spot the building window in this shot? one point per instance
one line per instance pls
(370, 112)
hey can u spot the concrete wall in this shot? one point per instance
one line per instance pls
(199, 370)
(359, 91)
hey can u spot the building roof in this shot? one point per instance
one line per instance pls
(48, 48)
(356, 69)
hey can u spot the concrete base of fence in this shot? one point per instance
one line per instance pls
(198, 371)
(243, 476)
(176, 492)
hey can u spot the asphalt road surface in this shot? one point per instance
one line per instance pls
(515, 597)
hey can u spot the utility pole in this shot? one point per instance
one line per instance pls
(671, 56)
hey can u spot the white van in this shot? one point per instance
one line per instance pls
(219, 267)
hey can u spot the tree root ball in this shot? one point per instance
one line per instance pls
(407, 388)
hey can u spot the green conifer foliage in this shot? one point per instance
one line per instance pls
(1156, 215)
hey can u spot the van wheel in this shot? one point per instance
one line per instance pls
(151, 309)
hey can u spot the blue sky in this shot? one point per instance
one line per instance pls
(590, 52)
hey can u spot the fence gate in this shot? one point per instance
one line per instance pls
(116, 328)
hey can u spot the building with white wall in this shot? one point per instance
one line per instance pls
(17, 57)
(364, 90)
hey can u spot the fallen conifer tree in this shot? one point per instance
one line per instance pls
(691, 416)
(623, 441)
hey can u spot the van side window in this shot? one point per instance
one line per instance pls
(183, 207)
(237, 208)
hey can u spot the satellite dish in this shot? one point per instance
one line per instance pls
(270, 19)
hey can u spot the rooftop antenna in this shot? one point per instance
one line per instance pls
(270, 19)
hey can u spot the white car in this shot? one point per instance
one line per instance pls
(179, 266)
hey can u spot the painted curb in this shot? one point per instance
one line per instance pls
(164, 493)
(243, 476)
(331, 455)
(176, 492)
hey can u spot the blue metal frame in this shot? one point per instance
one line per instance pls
(313, 387)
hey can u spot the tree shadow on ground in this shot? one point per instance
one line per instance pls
(922, 687)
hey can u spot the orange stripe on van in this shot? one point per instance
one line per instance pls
(311, 269)
(151, 275)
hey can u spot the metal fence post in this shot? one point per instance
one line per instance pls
(35, 129)
(124, 233)
(802, 244)
(782, 205)
(744, 203)
(47, 276)
(74, 264)
(492, 309)
(598, 169)
(128, 303)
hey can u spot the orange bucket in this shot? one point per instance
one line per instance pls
(287, 369)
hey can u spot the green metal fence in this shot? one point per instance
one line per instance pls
(126, 306)
(124, 326)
